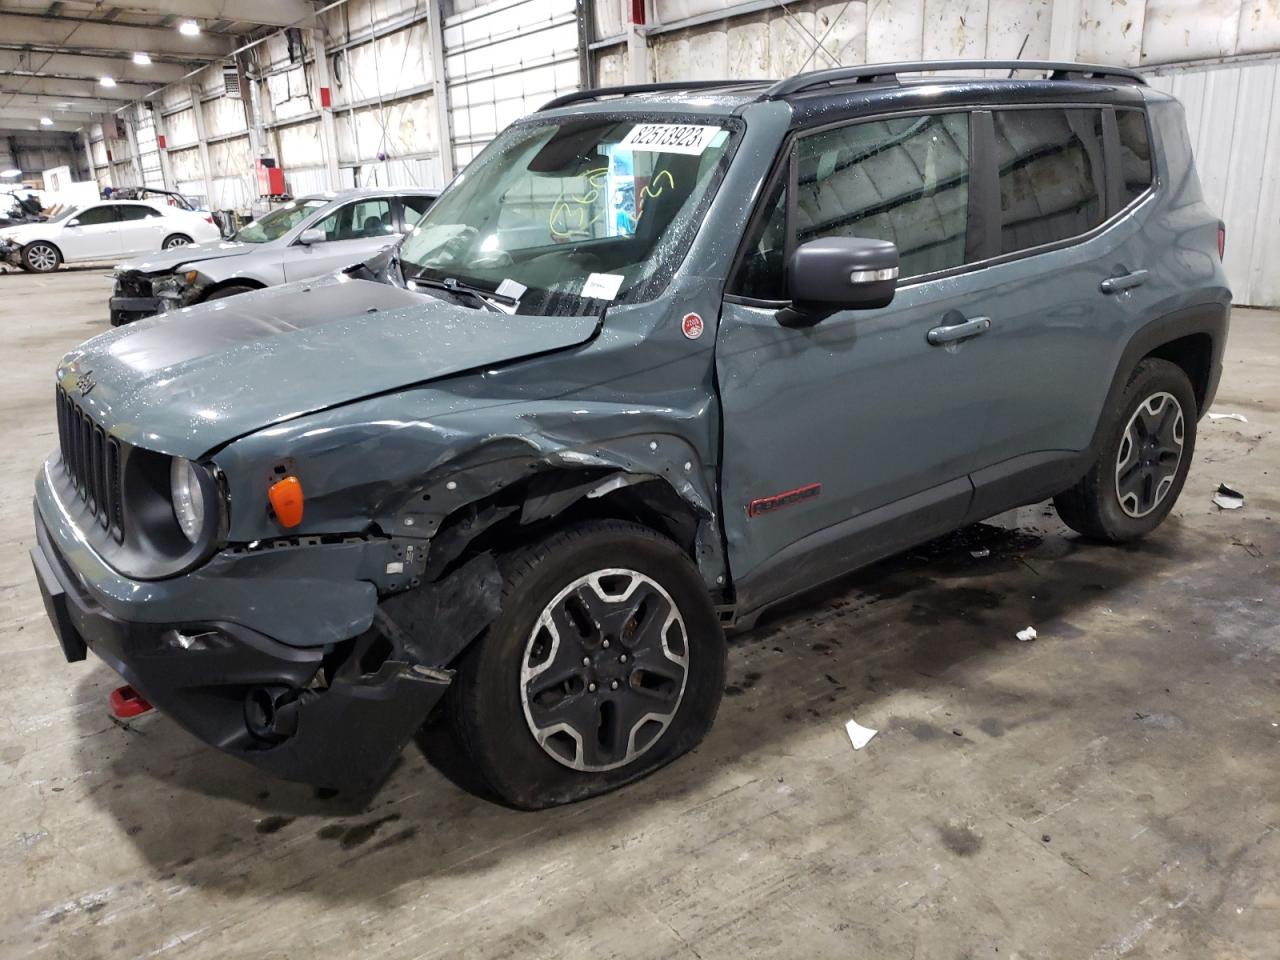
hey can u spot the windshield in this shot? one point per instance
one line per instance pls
(64, 214)
(561, 216)
(278, 222)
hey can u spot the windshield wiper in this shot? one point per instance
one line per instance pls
(487, 298)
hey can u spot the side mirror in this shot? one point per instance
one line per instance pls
(74, 223)
(832, 274)
(313, 235)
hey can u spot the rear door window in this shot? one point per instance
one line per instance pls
(1136, 175)
(1051, 175)
(415, 205)
(904, 179)
(136, 211)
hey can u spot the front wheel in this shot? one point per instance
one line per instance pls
(1148, 441)
(41, 257)
(605, 663)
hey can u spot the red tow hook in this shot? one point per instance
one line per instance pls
(127, 703)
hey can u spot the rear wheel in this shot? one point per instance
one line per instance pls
(606, 662)
(177, 240)
(1148, 443)
(41, 257)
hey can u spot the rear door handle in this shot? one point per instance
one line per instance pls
(1126, 282)
(959, 331)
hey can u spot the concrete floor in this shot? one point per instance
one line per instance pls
(1110, 789)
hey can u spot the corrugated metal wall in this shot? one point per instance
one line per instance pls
(1233, 116)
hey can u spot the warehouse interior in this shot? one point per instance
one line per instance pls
(1105, 786)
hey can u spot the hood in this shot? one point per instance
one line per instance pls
(190, 381)
(166, 261)
(21, 233)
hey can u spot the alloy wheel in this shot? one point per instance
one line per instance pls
(42, 257)
(1149, 455)
(176, 242)
(604, 670)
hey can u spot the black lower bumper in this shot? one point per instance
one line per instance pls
(127, 309)
(305, 714)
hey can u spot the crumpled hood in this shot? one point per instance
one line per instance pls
(23, 233)
(187, 382)
(166, 261)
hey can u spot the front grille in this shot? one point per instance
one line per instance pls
(132, 285)
(93, 461)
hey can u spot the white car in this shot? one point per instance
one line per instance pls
(107, 230)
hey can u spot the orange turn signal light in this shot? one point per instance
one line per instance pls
(286, 500)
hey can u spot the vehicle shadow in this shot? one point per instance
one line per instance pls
(920, 621)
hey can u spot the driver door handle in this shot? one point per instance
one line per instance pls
(959, 331)
(1124, 282)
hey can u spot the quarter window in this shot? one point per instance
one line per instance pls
(1135, 153)
(904, 179)
(1051, 175)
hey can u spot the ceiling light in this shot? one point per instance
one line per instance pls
(189, 28)
(11, 172)
(107, 81)
(142, 59)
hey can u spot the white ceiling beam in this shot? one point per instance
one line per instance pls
(51, 105)
(19, 124)
(50, 87)
(24, 114)
(72, 65)
(63, 35)
(273, 13)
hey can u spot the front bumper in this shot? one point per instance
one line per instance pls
(305, 713)
(127, 309)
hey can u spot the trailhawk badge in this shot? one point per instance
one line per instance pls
(692, 326)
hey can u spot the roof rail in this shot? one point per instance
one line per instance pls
(888, 73)
(596, 93)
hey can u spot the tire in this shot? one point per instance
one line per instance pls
(176, 240)
(501, 693)
(41, 257)
(230, 291)
(1141, 466)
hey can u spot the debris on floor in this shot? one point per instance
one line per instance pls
(1228, 416)
(1027, 633)
(1228, 499)
(859, 735)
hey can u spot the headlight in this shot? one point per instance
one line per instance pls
(173, 285)
(188, 497)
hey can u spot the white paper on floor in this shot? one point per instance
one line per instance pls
(1029, 633)
(1228, 499)
(1228, 416)
(859, 735)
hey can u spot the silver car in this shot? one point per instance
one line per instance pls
(306, 237)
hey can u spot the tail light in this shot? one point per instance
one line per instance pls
(209, 220)
(1222, 239)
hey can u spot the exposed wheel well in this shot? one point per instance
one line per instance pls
(504, 521)
(1193, 353)
(237, 282)
(47, 243)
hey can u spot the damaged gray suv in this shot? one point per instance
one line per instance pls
(660, 358)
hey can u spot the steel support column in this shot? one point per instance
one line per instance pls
(328, 136)
(202, 143)
(440, 89)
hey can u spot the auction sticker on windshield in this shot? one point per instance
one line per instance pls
(670, 138)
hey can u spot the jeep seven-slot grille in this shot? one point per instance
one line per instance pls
(93, 461)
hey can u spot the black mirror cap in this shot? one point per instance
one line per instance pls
(839, 273)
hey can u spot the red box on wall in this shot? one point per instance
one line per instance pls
(270, 179)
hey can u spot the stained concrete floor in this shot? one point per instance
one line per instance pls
(1109, 789)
